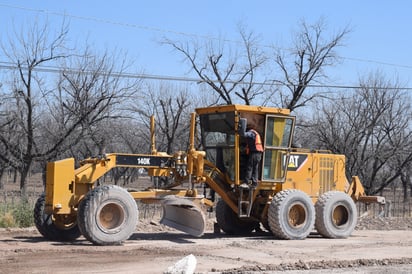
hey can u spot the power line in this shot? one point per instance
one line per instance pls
(147, 28)
(51, 69)
(100, 20)
(377, 62)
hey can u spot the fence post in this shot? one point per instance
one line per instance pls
(388, 208)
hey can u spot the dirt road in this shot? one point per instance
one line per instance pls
(25, 251)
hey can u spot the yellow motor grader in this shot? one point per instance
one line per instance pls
(298, 189)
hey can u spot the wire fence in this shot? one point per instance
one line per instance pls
(397, 208)
(395, 205)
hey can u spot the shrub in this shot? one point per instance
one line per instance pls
(23, 214)
(19, 214)
(7, 220)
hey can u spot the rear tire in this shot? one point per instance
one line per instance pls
(336, 215)
(48, 228)
(230, 223)
(291, 215)
(108, 215)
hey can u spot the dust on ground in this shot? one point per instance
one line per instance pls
(378, 245)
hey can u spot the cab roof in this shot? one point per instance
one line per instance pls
(243, 108)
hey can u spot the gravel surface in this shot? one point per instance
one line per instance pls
(378, 245)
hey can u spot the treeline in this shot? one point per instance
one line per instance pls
(84, 106)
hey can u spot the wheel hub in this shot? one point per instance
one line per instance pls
(111, 216)
(297, 215)
(340, 216)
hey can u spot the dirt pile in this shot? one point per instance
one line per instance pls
(384, 223)
(301, 265)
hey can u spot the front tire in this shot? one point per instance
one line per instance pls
(108, 215)
(291, 215)
(336, 215)
(230, 223)
(51, 229)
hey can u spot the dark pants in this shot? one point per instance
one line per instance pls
(252, 169)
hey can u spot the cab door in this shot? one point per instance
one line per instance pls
(278, 140)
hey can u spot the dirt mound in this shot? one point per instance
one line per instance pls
(334, 264)
(384, 223)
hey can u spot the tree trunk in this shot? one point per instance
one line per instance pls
(23, 176)
(1, 178)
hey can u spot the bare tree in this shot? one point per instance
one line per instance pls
(236, 74)
(170, 106)
(229, 71)
(27, 51)
(91, 96)
(126, 136)
(305, 63)
(42, 121)
(371, 127)
(6, 125)
(406, 180)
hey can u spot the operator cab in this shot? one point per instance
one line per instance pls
(225, 147)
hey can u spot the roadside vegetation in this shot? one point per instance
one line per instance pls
(18, 214)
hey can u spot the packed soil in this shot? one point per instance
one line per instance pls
(378, 245)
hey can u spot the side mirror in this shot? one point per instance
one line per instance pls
(242, 126)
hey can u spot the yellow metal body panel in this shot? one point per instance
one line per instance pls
(91, 172)
(65, 186)
(158, 172)
(59, 186)
(315, 173)
(355, 189)
(155, 194)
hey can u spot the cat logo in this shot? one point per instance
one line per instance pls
(296, 161)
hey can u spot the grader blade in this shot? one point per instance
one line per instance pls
(182, 214)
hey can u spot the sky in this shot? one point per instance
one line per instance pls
(380, 36)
